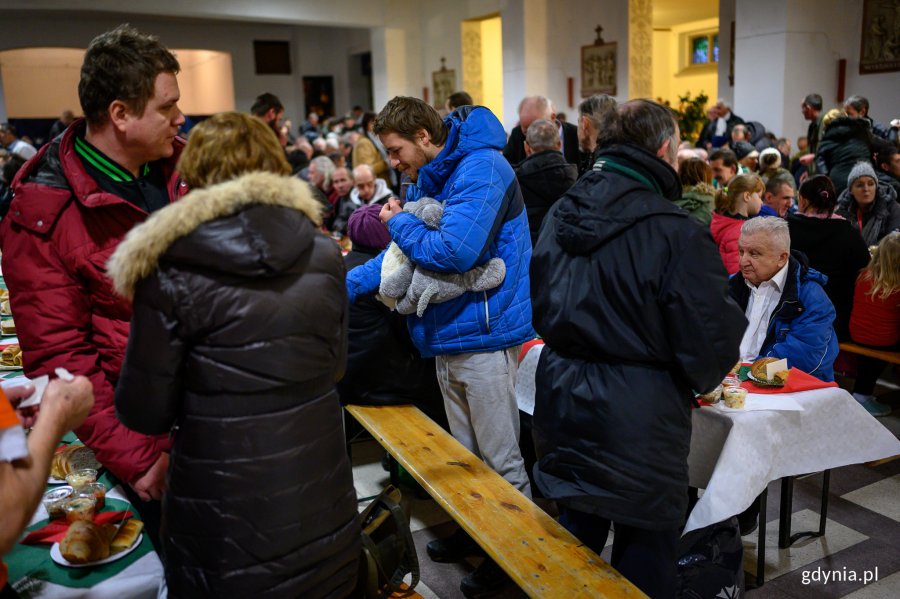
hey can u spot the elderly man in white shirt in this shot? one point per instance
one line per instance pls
(758, 260)
(788, 312)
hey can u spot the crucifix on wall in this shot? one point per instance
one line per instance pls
(598, 67)
(443, 82)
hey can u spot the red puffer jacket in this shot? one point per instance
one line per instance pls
(726, 230)
(60, 231)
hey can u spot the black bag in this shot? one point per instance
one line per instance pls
(388, 551)
(710, 562)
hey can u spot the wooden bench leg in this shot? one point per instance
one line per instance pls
(394, 470)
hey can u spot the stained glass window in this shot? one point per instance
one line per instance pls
(704, 49)
(700, 50)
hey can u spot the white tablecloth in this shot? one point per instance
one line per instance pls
(735, 455)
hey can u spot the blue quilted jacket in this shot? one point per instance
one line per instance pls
(483, 218)
(801, 326)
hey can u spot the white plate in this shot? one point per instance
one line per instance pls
(5, 367)
(55, 481)
(57, 557)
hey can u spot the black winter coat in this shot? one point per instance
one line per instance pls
(837, 250)
(237, 339)
(383, 366)
(844, 142)
(514, 152)
(631, 298)
(543, 177)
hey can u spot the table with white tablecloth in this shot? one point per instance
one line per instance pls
(735, 454)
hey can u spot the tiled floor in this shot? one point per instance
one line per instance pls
(862, 532)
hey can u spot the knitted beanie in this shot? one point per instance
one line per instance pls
(767, 152)
(366, 229)
(862, 169)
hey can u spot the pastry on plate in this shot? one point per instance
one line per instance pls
(127, 535)
(86, 542)
(8, 327)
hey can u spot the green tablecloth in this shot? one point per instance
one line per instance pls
(34, 560)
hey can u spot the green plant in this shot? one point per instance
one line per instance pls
(691, 113)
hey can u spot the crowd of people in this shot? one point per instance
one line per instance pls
(199, 291)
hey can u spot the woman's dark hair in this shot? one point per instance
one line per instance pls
(694, 171)
(819, 191)
(367, 118)
(458, 99)
(12, 166)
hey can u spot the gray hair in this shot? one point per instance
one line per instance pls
(642, 123)
(325, 166)
(595, 107)
(858, 103)
(775, 228)
(542, 135)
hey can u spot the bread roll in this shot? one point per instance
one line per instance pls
(758, 370)
(86, 542)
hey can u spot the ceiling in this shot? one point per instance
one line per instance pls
(667, 13)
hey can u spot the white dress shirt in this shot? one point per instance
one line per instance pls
(762, 303)
(722, 124)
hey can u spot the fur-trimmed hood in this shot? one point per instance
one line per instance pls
(253, 242)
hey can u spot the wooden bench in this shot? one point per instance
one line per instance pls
(879, 354)
(891, 357)
(542, 557)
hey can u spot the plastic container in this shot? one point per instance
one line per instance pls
(55, 501)
(81, 508)
(97, 491)
(729, 381)
(734, 398)
(80, 478)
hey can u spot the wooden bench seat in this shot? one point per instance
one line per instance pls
(542, 557)
(887, 356)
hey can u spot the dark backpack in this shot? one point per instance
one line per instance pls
(710, 563)
(388, 551)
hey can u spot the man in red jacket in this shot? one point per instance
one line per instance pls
(74, 202)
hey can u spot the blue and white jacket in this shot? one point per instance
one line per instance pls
(801, 327)
(484, 217)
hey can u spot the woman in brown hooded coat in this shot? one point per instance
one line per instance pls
(237, 338)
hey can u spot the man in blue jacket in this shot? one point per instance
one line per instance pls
(789, 314)
(475, 337)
